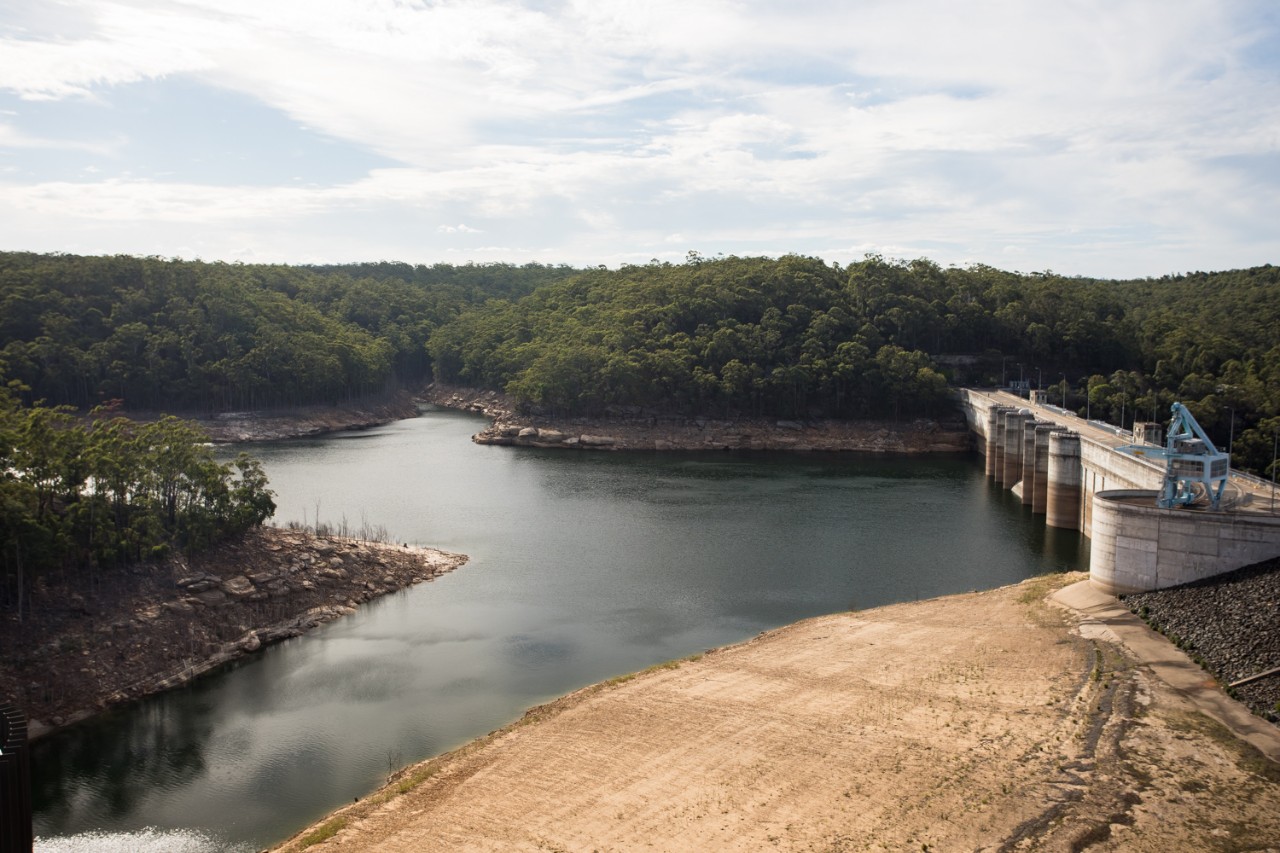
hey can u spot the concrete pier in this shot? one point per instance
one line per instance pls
(1013, 422)
(995, 442)
(1062, 500)
(1028, 475)
(995, 418)
(1040, 467)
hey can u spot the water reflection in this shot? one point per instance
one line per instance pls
(157, 743)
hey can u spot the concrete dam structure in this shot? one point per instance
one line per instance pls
(1072, 471)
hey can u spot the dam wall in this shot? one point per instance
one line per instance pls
(1070, 470)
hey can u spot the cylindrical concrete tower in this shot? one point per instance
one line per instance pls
(1040, 474)
(1062, 503)
(1029, 459)
(1013, 422)
(993, 441)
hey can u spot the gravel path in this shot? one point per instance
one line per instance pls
(1230, 623)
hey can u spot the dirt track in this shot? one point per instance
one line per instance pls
(975, 722)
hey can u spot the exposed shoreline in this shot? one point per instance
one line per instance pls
(161, 625)
(1017, 718)
(297, 422)
(638, 430)
(628, 430)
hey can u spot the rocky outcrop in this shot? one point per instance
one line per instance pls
(274, 424)
(919, 436)
(635, 429)
(157, 626)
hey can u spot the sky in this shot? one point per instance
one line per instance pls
(1110, 138)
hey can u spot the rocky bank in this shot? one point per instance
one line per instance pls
(1230, 623)
(637, 429)
(94, 641)
(274, 424)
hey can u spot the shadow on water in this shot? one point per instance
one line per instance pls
(1061, 550)
(152, 744)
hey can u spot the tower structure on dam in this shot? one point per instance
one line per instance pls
(1076, 473)
(1062, 498)
(1040, 472)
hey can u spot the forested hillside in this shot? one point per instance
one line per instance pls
(797, 337)
(791, 337)
(160, 334)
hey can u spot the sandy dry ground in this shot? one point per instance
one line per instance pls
(976, 722)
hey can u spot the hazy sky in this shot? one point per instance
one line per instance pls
(1094, 137)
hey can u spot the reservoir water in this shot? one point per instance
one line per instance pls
(583, 566)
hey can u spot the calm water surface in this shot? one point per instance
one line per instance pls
(583, 566)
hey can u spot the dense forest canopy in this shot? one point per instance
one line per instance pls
(188, 335)
(791, 337)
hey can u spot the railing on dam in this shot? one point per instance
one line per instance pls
(15, 782)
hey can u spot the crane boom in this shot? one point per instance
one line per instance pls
(1191, 460)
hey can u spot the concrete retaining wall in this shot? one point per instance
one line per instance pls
(1138, 547)
(1103, 469)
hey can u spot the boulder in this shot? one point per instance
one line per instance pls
(238, 586)
(212, 597)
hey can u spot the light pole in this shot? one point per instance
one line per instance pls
(1037, 379)
(1064, 389)
(1275, 445)
(1088, 399)
(1231, 436)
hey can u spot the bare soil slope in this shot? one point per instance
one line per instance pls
(975, 722)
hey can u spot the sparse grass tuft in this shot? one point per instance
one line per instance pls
(323, 832)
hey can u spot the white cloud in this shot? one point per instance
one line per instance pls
(12, 137)
(954, 128)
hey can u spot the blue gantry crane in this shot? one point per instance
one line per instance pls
(1194, 467)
